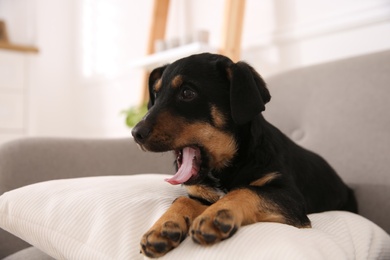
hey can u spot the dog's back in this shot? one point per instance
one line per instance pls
(318, 182)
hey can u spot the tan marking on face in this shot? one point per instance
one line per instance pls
(218, 118)
(157, 86)
(208, 193)
(265, 179)
(174, 132)
(177, 81)
(163, 133)
(229, 73)
(220, 146)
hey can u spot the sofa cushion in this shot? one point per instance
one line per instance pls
(105, 217)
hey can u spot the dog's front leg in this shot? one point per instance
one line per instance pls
(172, 228)
(237, 208)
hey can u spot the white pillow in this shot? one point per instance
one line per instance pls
(105, 217)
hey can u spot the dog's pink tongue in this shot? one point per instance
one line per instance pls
(187, 168)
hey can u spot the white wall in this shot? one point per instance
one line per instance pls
(281, 35)
(63, 99)
(51, 109)
(304, 32)
(66, 99)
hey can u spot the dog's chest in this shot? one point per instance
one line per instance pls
(207, 193)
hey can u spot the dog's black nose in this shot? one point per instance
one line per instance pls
(141, 133)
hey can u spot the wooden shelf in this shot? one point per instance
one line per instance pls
(17, 47)
(161, 58)
(230, 47)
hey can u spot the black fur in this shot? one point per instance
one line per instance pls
(305, 183)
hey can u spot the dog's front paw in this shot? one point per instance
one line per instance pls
(161, 239)
(212, 227)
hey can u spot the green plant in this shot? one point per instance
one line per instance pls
(134, 114)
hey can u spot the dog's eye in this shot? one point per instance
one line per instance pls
(187, 94)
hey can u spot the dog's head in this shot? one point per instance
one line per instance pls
(196, 106)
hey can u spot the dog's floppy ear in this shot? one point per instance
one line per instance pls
(248, 92)
(153, 77)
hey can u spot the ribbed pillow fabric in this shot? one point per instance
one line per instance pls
(105, 217)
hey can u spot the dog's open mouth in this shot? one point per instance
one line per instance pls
(188, 162)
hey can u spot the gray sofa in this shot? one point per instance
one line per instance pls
(339, 109)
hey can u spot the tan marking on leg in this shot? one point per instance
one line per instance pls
(218, 118)
(177, 81)
(265, 179)
(182, 207)
(237, 208)
(171, 229)
(207, 193)
(249, 207)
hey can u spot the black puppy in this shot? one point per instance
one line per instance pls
(238, 169)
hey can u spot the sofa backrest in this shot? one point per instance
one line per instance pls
(341, 110)
(31, 160)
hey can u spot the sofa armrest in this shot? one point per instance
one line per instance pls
(32, 160)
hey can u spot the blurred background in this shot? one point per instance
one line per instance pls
(69, 67)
